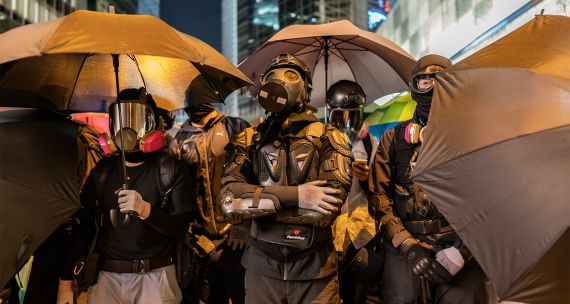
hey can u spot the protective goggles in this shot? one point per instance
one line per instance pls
(424, 81)
(347, 118)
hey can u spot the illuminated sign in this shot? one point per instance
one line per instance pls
(377, 13)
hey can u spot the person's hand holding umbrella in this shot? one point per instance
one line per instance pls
(68, 64)
(496, 155)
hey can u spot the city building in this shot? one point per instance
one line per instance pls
(247, 24)
(15, 13)
(457, 28)
(121, 6)
(149, 7)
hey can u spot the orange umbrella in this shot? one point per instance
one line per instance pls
(78, 73)
(496, 158)
(80, 62)
(336, 51)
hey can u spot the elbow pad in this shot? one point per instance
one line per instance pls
(248, 206)
(304, 217)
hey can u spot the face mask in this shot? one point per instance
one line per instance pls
(198, 112)
(423, 105)
(282, 90)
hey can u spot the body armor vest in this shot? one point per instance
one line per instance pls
(286, 162)
(205, 154)
(410, 202)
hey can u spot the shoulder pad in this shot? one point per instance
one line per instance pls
(244, 138)
(339, 140)
(315, 129)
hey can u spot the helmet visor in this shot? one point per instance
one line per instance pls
(135, 116)
(346, 119)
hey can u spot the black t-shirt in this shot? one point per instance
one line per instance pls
(155, 236)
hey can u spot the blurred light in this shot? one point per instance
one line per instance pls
(293, 15)
(375, 17)
(313, 20)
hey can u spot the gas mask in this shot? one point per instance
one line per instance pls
(137, 127)
(285, 84)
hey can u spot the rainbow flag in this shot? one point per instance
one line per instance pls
(389, 114)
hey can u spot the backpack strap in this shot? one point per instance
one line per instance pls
(166, 178)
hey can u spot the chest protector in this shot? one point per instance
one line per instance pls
(204, 153)
(286, 161)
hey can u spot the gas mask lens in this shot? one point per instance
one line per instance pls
(135, 122)
(292, 76)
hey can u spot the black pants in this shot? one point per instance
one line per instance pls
(47, 268)
(219, 281)
(401, 285)
(261, 289)
(359, 269)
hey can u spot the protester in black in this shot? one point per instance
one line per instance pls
(139, 254)
(425, 258)
(291, 175)
(200, 143)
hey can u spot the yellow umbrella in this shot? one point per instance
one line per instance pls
(78, 73)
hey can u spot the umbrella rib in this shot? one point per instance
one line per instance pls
(134, 58)
(350, 67)
(320, 51)
(338, 56)
(308, 52)
(76, 80)
(317, 59)
(359, 50)
(299, 43)
(340, 41)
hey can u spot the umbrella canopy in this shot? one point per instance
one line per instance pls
(344, 51)
(39, 184)
(78, 74)
(496, 158)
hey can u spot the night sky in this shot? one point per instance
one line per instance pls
(199, 18)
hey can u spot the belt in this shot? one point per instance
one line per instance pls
(300, 236)
(136, 266)
(428, 227)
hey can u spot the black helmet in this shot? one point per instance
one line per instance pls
(345, 104)
(285, 83)
(425, 68)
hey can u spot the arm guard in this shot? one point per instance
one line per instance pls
(241, 199)
(335, 163)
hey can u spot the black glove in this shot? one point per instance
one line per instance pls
(238, 236)
(425, 266)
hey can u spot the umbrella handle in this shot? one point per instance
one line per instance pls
(118, 219)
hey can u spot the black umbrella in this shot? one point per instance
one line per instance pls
(496, 159)
(40, 179)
